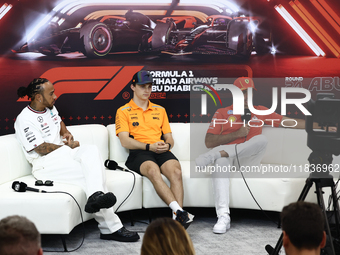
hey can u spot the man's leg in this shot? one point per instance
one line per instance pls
(172, 170)
(221, 193)
(152, 171)
(169, 195)
(255, 146)
(68, 165)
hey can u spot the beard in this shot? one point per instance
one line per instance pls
(48, 105)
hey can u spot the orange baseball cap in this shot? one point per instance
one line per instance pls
(244, 83)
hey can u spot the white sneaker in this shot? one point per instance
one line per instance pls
(222, 225)
(205, 159)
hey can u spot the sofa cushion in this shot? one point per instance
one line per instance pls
(92, 134)
(13, 160)
(51, 213)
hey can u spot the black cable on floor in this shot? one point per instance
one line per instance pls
(133, 186)
(251, 193)
(82, 221)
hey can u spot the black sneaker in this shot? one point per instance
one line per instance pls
(121, 235)
(184, 218)
(99, 200)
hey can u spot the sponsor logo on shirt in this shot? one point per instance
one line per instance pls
(134, 118)
(135, 124)
(155, 118)
(40, 119)
(29, 133)
(230, 112)
(232, 118)
(32, 141)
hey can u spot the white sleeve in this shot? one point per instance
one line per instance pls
(28, 134)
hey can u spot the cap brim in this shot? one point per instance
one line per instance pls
(144, 83)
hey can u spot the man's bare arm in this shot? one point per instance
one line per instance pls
(68, 136)
(45, 148)
(212, 140)
(63, 129)
(132, 144)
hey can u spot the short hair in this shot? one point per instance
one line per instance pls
(32, 89)
(166, 236)
(303, 222)
(18, 236)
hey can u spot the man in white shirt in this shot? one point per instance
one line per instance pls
(41, 131)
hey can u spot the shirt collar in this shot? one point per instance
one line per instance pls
(134, 106)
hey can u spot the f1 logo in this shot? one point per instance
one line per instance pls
(107, 81)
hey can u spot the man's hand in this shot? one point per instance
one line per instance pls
(243, 131)
(70, 141)
(159, 147)
(68, 136)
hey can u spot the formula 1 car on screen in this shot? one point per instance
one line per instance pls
(94, 38)
(221, 35)
(136, 32)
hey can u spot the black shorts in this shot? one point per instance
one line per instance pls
(138, 157)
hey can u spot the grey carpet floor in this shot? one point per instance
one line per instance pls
(250, 232)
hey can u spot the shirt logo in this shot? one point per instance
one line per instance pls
(135, 124)
(232, 118)
(40, 119)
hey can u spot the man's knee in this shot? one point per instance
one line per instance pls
(177, 173)
(223, 161)
(172, 170)
(261, 141)
(152, 172)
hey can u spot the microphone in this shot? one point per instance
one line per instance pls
(22, 187)
(113, 165)
(247, 115)
(269, 249)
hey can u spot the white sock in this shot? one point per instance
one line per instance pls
(174, 207)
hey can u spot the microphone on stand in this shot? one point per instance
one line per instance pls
(246, 117)
(22, 187)
(113, 165)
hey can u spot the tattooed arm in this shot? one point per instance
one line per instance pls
(45, 148)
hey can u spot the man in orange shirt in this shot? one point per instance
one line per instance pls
(226, 139)
(143, 128)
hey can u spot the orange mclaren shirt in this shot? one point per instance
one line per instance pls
(145, 126)
(221, 122)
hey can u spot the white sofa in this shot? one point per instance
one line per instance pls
(59, 214)
(286, 147)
